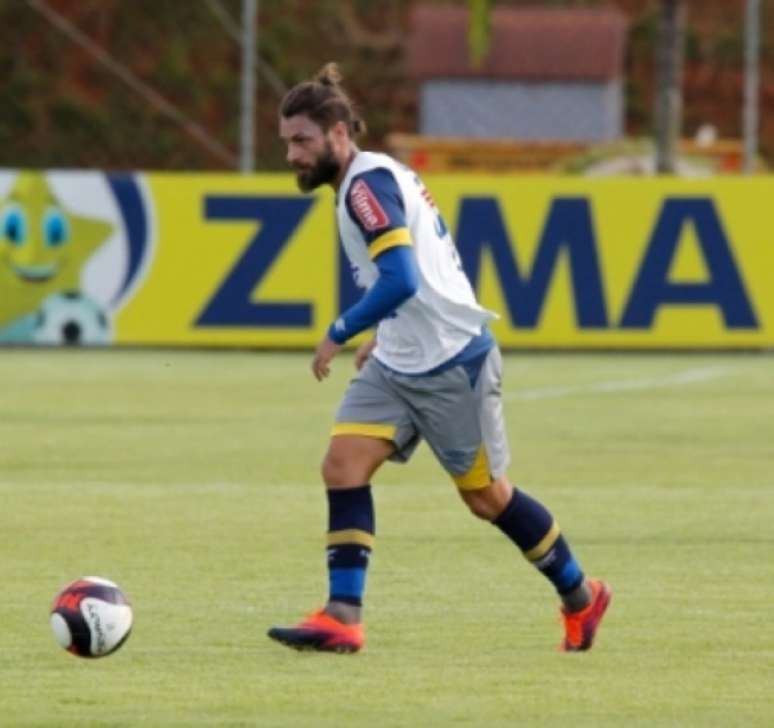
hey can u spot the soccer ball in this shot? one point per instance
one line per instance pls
(73, 319)
(91, 617)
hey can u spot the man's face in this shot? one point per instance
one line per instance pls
(310, 152)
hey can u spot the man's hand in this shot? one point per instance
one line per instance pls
(325, 352)
(363, 352)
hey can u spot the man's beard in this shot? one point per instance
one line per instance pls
(324, 171)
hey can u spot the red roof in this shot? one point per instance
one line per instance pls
(525, 43)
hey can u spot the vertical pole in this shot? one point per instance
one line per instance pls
(751, 83)
(247, 127)
(669, 82)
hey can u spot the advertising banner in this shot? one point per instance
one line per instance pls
(231, 260)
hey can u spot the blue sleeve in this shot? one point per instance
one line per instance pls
(397, 282)
(375, 205)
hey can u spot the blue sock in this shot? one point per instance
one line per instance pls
(350, 540)
(533, 529)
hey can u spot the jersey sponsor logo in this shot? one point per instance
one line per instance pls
(367, 208)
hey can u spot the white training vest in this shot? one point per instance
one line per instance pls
(434, 325)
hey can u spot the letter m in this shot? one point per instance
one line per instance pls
(568, 228)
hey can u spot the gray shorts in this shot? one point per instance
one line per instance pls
(459, 413)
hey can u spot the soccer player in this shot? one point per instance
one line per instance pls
(431, 372)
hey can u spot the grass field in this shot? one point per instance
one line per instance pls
(192, 480)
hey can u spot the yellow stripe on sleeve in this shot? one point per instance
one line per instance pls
(382, 432)
(351, 535)
(390, 239)
(478, 476)
(537, 552)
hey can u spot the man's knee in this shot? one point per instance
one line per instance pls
(480, 505)
(335, 469)
(489, 502)
(351, 460)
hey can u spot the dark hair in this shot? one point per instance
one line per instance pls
(324, 101)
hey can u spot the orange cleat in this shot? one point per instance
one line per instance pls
(580, 627)
(321, 632)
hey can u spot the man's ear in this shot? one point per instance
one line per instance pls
(340, 130)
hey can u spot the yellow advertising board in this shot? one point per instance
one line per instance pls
(645, 263)
(230, 260)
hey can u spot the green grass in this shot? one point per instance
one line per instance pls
(192, 480)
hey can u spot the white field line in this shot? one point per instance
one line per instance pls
(688, 376)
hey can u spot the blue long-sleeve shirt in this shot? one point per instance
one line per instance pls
(398, 281)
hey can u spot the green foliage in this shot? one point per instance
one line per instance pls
(16, 117)
(479, 30)
(180, 49)
(191, 478)
(727, 49)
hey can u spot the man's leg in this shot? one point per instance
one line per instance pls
(533, 529)
(460, 414)
(372, 424)
(347, 469)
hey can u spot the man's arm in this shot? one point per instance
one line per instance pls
(397, 282)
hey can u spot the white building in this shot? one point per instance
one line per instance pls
(550, 74)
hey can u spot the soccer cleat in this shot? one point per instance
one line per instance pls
(580, 627)
(321, 632)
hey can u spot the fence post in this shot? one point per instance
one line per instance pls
(751, 83)
(669, 60)
(248, 86)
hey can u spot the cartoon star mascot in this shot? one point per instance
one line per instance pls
(43, 248)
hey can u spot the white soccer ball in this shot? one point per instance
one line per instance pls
(91, 617)
(71, 318)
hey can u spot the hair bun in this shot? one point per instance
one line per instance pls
(329, 75)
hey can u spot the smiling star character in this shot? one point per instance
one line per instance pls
(43, 246)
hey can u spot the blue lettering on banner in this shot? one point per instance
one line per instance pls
(231, 305)
(568, 231)
(724, 288)
(568, 227)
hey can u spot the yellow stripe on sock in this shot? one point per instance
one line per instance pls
(351, 535)
(537, 552)
(383, 432)
(478, 476)
(391, 239)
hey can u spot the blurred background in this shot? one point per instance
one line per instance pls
(145, 199)
(158, 84)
